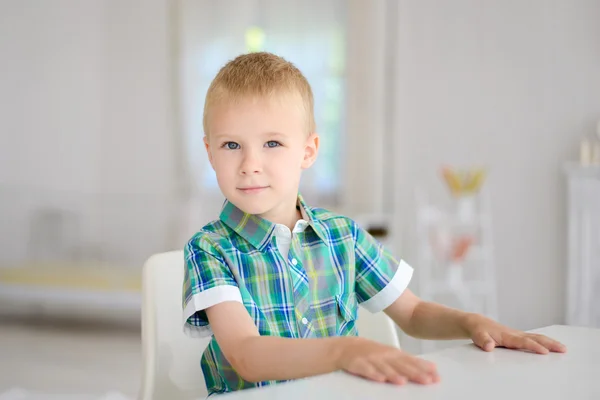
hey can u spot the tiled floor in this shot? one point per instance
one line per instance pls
(69, 357)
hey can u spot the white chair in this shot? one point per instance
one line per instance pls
(378, 327)
(171, 360)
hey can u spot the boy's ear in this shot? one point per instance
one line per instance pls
(311, 150)
(207, 146)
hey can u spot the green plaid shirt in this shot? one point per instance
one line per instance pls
(313, 291)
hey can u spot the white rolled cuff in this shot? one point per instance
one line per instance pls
(391, 291)
(203, 300)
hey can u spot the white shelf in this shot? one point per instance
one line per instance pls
(470, 284)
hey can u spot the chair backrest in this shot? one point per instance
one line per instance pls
(171, 360)
(378, 327)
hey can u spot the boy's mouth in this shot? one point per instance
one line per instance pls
(252, 189)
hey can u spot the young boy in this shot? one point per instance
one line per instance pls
(278, 282)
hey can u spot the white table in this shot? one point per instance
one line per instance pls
(469, 373)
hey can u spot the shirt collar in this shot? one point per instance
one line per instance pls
(257, 230)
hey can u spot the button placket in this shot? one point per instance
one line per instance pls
(302, 302)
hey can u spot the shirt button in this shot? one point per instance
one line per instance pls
(304, 321)
(294, 261)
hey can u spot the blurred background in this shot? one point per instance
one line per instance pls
(462, 134)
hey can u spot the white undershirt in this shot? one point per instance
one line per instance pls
(284, 236)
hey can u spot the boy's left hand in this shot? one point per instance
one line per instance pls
(488, 334)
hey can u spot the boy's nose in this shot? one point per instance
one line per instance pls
(250, 165)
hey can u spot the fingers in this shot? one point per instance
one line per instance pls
(539, 344)
(397, 370)
(523, 342)
(379, 372)
(391, 374)
(532, 345)
(424, 366)
(380, 363)
(416, 370)
(484, 341)
(419, 375)
(368, 371)
(550, 344)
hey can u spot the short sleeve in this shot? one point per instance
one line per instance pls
(380, 278)
(207, 281)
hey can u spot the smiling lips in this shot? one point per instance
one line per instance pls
(252, 189)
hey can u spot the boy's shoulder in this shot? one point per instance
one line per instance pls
(335, 225)
(212, 235)
(328, 217)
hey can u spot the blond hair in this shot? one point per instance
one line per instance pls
(259, 75)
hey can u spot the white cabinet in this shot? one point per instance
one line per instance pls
(583, 269)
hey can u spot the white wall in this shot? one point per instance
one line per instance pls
(86, 92)
(512, 85)
(52, 96)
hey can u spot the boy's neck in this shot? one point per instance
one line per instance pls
(289, 220)
(296, 217)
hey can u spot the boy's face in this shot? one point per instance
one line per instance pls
(258, 149)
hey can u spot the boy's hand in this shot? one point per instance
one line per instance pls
(383, 363)
(488, 334)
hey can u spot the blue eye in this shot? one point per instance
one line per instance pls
(273, 143)
(231, 145)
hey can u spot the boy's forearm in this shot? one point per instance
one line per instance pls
(264, 358)
(438, 322)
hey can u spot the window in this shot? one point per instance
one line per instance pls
(311, 34)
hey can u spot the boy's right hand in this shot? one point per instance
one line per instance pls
(381, 363)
